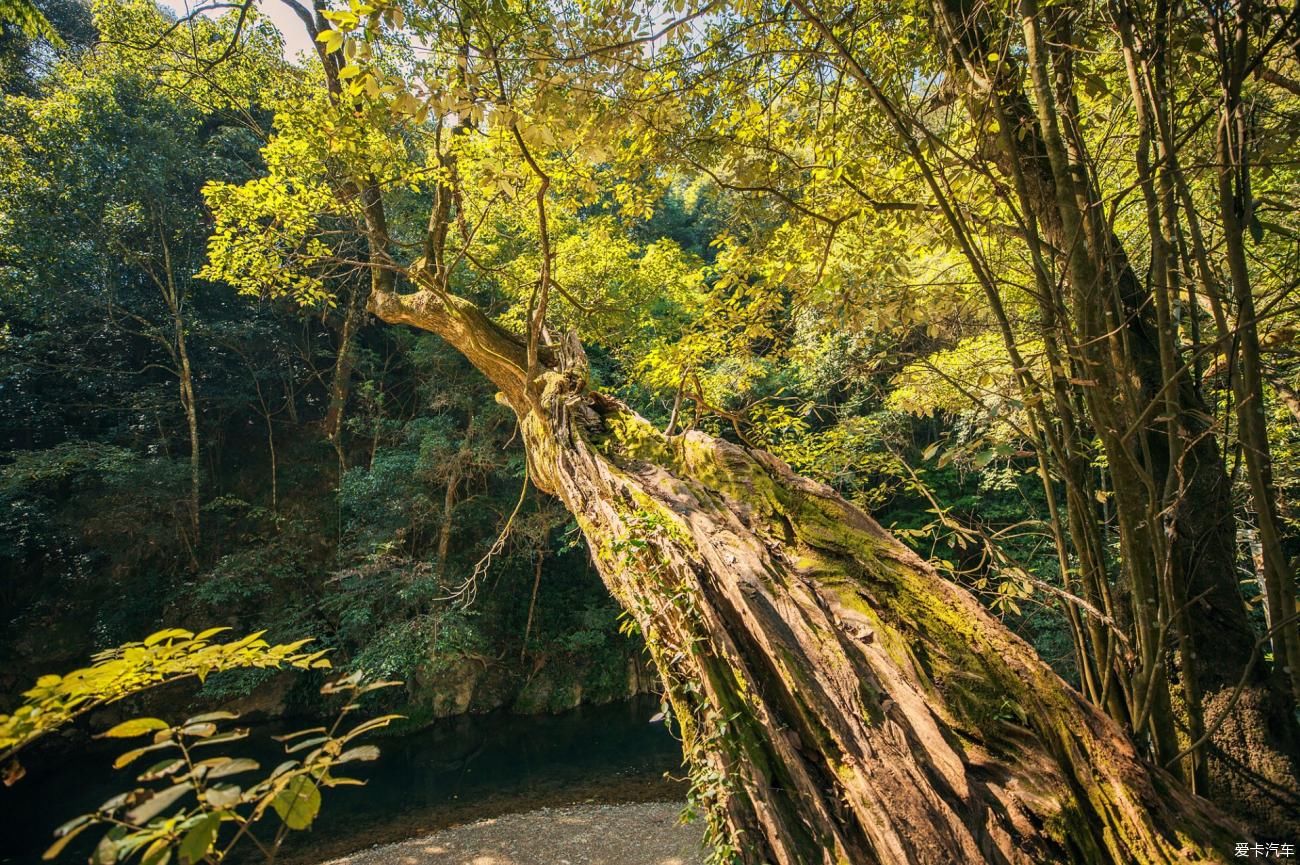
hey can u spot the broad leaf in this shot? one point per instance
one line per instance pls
(156, 804)
(298, 803)
(199, 839)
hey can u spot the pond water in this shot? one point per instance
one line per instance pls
(457, 770)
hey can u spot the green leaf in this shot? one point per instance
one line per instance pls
(132, 755)
(25, 15)
(74, 823)
(106, 850)
(333, 40)
(364, 752)
(198, 841)
(131, 668)
(156, 804)
(299, 733)
(211, 716)
(66, 833)
(229, 736)
(222, 797)
(281, 769)
(159, 853)
(298, 803)
(373, 724)
(306, 743)
(233, 767)
(168, 634)
(116, 802)
(337, 781)
(135, 727)
(162, 769)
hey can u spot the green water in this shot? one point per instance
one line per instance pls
(457, 770)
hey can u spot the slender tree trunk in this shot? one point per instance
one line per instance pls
(341, 381)
(449, 496)
(1173, 507)
(532, 602)
(1235, 206)
(838, 700)
(444, 529)
(190, 404)
(189, 401)
(275, 476)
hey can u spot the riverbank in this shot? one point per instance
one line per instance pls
(644, 833)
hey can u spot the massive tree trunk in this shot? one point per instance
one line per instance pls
(838, 700)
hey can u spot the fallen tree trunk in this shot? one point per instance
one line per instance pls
(838, 700)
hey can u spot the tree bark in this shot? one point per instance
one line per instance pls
(1235, 206)
(1175, 517)
(189, 401)
(179, 349)
(455, 477)
(838, 700)
(341, 381)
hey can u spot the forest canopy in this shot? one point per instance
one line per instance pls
(486, 326)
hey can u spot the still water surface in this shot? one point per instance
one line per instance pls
(457, 770)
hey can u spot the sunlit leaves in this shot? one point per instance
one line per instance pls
(216, 63)
(28, 18)
(974, 374)
(331, 39)
(298, 803)
(135, 727)
(198, 839)
(129, 669)
(185, 801)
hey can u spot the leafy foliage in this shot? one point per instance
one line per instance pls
(165, 656)
(803, 234)
(28, 18)
(194, 812)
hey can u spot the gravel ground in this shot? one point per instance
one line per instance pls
(643, 833)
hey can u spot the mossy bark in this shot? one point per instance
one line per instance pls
(840, 702)
(1195, 665)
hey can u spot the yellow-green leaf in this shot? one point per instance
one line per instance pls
(199, 839)
(156, 804)
(298, 803)
(65, 837)
(135, 727)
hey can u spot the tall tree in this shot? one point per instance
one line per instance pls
(839, 701)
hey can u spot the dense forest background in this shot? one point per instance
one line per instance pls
(351, 499)
(1019, 282)
(178, 453)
